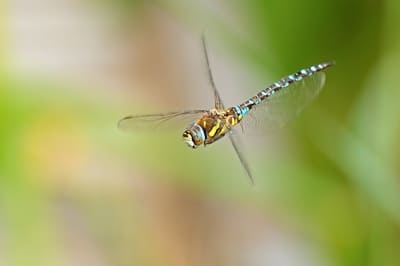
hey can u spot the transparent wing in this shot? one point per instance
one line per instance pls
(217, 98)
(233, 137)
(285, 104)
(218, 104)
(135, 123)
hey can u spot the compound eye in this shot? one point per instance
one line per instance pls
(188, 138)
(194, 135)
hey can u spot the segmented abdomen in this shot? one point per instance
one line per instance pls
(245, 107)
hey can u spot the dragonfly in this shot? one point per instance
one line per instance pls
(274, 105)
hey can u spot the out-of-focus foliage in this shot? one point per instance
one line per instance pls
(77, 191)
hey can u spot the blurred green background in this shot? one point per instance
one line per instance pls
(75, 190)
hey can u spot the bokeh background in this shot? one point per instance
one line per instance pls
(75, 190)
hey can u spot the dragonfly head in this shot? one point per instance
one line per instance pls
(194, 135)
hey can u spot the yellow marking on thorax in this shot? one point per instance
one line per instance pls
(214, 129)
(232, 121)
(223, 130)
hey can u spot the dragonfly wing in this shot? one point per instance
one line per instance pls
(284, 105)
(235, 143)
(217, 98)
(219, 105)
(135, 123)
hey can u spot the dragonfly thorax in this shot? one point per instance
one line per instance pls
(210, 127)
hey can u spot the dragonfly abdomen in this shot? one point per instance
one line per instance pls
(245, 107)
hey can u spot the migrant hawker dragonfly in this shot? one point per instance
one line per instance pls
(274, 105)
